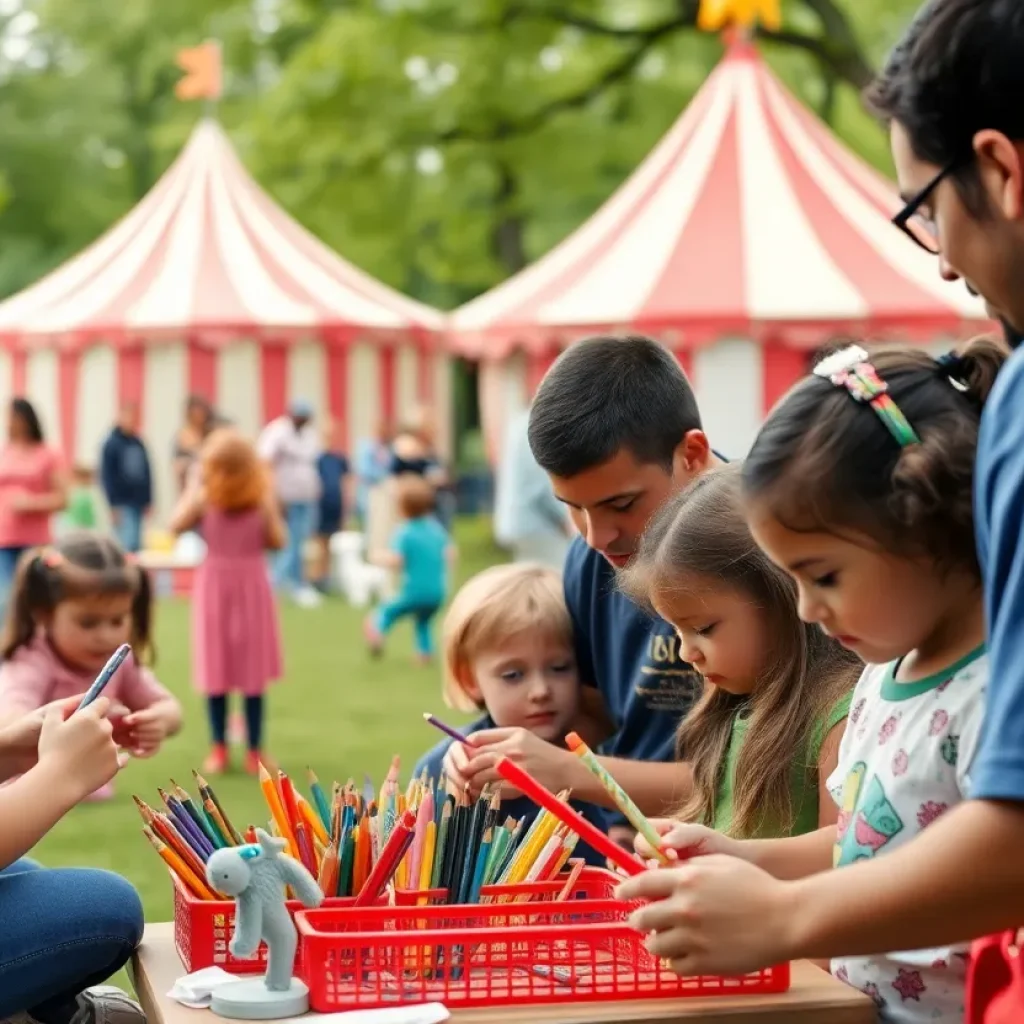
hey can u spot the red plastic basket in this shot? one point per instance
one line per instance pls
(203, 930)
(495, 954)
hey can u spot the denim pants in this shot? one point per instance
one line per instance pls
(64, 930)
(8, 563)
(128, 528)
(289, 570)
(422, 614)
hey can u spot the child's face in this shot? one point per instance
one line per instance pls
(721, 631)
(530, 682)
(85, 631)
(876, 604)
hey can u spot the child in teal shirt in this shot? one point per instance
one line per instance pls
(80, 513)
(420, 550)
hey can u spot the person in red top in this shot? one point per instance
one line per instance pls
(32, 489)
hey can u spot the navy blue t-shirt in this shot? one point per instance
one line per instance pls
(998, 770)
(630, 656)
(521, 807)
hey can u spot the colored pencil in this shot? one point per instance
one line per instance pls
(621, 798)
(446, 729)
(273, 799)
(218, 821)
(319, 799)
(594, 837)
(194, 813)
(387, 864)
(187, 827)
(206, 790)
(197, 885)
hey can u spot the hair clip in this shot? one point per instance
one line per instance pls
(849, 369)
(952, 365)
(51, 558)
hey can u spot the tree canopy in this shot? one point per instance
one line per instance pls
(438, 144)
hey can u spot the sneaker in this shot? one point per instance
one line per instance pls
(216, 762)
(307, 597)
(106, 1004)
(252, 762)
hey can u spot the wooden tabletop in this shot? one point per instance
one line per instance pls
(813, 997)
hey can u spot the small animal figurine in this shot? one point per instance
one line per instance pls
(257, 875)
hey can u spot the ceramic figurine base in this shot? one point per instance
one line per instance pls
(250, 999)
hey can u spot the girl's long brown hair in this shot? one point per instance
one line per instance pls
(85, 563)
(701, 537)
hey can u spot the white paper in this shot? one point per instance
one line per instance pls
(196, 990)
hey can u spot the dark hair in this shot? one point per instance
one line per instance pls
(956, 71)
(825, 462)
(700, 539)
(25, 411)
(84, 563)
(608, 393)
(416, 496)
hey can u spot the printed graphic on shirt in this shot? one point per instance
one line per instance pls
(867, 819)
(667, 682)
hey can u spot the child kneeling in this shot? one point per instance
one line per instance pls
(508, 652)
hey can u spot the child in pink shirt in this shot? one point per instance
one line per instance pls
(72, 605)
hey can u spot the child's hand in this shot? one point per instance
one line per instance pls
(142, 732)
(714, 915)
(81, 749)
(553, 767)
(687, 841)
(19, 741)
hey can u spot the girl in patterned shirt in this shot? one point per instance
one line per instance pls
(859, 486)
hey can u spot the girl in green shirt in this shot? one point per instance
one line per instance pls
(764, 736)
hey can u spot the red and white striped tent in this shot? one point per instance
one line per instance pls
(208, 287)
(748, 237)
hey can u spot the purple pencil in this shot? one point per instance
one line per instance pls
(187, 826)
(446, 729)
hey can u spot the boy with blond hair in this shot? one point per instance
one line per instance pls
(508, 652)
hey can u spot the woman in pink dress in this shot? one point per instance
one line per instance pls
(236, 642)
(32, 489)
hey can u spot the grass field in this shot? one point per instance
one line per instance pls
(337, 710)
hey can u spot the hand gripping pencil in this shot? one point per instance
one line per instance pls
(526, 783)
(618, 794)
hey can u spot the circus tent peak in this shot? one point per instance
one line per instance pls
(749, 219)
(208, 255)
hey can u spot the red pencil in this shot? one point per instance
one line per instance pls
(522, 780)
(389, 859)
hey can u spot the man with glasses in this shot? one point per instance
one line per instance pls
(953, 95)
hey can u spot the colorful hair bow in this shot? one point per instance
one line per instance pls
(850, 369)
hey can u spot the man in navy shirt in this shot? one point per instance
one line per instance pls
(615, 425)
(953, 93)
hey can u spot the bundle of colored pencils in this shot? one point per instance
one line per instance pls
(360, 843)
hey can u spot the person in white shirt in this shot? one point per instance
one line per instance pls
(290, 445)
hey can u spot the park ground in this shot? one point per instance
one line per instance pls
(337, 710)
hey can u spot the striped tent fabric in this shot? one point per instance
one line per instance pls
(208, 287)
(749, 222)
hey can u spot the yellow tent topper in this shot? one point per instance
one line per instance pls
(715, 15)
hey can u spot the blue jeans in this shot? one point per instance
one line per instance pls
(289, 571)
(8, 563)
(64, 930)
(128, 528)
(422, 614)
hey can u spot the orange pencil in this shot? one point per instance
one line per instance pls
(218, 819)
(314, 826)
(250, 834)
(162, 826)
(198, 886)
(270, 794)
(329, 872)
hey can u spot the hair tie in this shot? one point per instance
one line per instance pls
(850, 369)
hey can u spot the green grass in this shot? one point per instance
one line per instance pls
(337, 710)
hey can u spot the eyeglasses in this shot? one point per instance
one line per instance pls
(916, 225)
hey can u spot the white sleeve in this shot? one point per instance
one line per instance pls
(267, 442)
(967, 743)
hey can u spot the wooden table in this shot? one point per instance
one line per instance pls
(813, 997)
